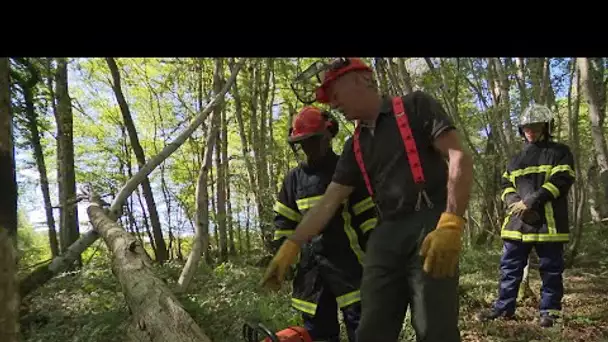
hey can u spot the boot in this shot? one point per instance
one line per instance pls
(490, 315)
(547, 321)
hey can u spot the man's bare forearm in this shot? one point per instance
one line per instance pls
(318, 216)
(460, 179)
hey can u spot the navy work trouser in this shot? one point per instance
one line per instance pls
(324, 324)
(512, 264)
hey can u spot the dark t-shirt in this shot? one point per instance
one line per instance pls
(386, 162)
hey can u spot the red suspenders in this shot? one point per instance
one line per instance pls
(410, 149)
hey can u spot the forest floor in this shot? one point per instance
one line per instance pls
(585, 313)
(86, 305)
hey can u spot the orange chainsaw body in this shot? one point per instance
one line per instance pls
(292, 334)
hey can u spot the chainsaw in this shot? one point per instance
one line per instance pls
(257, 332)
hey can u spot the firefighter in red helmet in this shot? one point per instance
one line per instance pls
(399, 149)
(329, 271)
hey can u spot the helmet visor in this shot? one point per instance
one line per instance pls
(306, 84)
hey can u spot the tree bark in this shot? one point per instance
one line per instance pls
(253, 185)
(227, 178)
(505, 103)
(266, 194)
(70, 231)
(28, 87)
(380, 76)
(220, 167)
(392, 76)
(579, 190)
(247, 224)
(9, 294)
(156, 313)
(159, 242)
(60, 263)
(405, 75)
(595, 116)
(521, 83)
(201, 227)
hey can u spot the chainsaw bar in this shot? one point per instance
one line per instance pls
(256, 332)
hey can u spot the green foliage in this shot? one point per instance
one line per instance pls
(88, 305)
(164, 95)
(227, 296)
(78, 306)
(32, 246)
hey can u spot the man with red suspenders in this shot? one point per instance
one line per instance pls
(399, 149)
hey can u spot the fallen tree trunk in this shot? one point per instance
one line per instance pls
(87, 239)
(157, 315)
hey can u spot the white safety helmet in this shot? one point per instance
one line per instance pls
(536, 114)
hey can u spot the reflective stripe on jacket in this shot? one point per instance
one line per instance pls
(541, 175)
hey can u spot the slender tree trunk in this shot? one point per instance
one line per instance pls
(521, 83)
(9, 286)
(595, 195)
(230, 221)
(253, 185)
(595, 115)
(579, 189)
(405, 76)
(380, 76)
(201, 228)
(273, 187)
(159, 242)
(239, 209)
(214, 209)
(227, 182)
(70, 231)
(32, 124)
(505, 103)
(220, 160)
(247, 223)
(392, 76)
(146, 224)
(265, 210)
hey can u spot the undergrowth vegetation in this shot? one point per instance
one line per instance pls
(87, 305)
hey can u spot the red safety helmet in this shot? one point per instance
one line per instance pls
(311, 121)
(310, 85)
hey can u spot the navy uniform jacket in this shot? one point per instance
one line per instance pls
(541, 175)
(334, 258)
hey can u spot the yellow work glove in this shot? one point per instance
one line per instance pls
(441, 247)
(517, 208)
(285, 257)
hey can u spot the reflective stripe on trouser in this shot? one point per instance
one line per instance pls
(393, 279)
(512, 264)
(324, 324)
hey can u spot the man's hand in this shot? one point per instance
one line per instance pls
(285, 257)
(441, 247)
